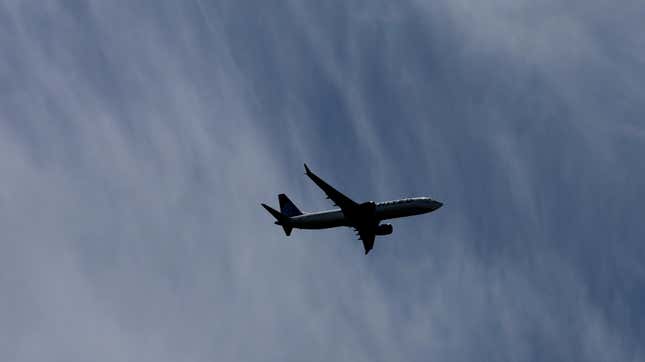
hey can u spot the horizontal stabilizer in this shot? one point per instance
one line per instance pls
(278, 216)
(282, 219)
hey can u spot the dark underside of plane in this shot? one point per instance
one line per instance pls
(364, 217)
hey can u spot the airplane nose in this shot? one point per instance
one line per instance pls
(436, 205)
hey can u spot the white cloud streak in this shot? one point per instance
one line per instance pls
(136, 143)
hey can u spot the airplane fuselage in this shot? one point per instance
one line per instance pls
(383, 211)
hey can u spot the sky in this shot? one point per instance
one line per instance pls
(137, 139)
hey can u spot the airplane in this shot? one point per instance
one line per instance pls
(364, 217)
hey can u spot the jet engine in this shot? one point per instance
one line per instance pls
(384, 229)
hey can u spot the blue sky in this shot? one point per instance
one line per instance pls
(137, 139)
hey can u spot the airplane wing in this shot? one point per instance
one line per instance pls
(351, 209)
(367, 236)
(346, 204)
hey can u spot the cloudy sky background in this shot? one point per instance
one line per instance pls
(137, 139)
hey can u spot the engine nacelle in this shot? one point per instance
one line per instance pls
(384, 229)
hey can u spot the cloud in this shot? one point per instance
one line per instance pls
(137, 140)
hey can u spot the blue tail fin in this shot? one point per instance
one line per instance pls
(287, 207)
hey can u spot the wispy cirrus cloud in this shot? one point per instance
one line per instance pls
(137, 140)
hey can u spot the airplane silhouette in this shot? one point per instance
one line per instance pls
(365, 217)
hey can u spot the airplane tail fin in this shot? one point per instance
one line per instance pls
(282, 219)
(287, 207)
